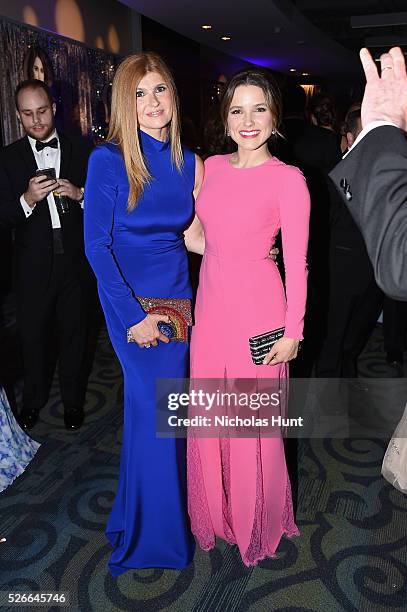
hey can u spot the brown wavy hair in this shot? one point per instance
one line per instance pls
(266, 82)
(123, 121)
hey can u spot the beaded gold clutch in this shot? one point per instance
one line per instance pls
(178, 311)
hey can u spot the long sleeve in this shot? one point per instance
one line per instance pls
(28, 210)
(376, 172)
(294, 203)
(99, 207)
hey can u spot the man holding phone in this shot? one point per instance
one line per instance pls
(41, 196)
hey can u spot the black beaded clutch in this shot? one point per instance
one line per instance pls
(261, 345)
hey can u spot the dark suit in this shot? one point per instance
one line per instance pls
(355, 300)
(316, 151)
(374, 175)
(308, 145)
(51, 288)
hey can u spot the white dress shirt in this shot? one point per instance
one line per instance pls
(368, 128)
(47, 158)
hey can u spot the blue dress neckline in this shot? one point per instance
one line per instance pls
(153, 144)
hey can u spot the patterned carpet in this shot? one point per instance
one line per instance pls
(351, 554)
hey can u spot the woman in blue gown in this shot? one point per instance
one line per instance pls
(139, 198)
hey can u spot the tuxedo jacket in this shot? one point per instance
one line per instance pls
(315, 151)
(348, 255)
(33, 246)
(308, 146)
(373, 182)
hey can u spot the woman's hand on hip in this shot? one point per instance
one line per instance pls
(282, 351)
(146, 333)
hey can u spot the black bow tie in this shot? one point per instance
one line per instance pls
(53, 143)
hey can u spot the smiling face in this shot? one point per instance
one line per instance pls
(154, 105)
(38, 70)
(36, 113)
(250, 121)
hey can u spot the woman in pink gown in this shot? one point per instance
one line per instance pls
(239, 488)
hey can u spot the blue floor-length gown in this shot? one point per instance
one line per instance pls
(143, 253)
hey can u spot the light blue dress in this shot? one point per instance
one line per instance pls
(16, 448)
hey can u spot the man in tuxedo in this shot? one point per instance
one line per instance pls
(372, 177)
(315, 150)
(355, 300)
(52, 277)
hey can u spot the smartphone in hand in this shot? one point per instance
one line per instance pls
(47, 173)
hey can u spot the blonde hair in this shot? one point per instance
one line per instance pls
(123, 121)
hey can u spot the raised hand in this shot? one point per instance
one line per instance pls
(385, 97)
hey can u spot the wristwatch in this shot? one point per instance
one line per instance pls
(82, 196)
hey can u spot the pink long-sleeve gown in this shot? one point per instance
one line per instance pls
(238, 488)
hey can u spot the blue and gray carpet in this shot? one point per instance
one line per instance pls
(351, 555)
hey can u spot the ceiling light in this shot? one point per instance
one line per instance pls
(207, 27)
(293, 70)
(305, 73)
(226, 38)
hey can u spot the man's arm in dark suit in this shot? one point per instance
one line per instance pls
(11, 211)
(376, 172)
